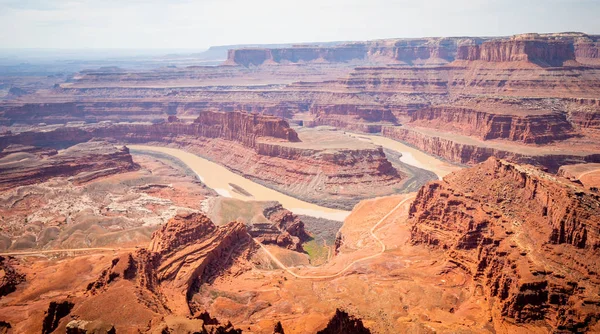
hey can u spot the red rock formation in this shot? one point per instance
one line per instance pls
(192, 252)
(88, 161)
(186, 252)
(286, 230)
(587, 51)
(238, 126)
(9, 276)
(539, 51)
(56, 311)
(464, 153)
(536, 128)
(536, 262)
(352, 116)
(586, 119)
(253, 145)
(417, 52)
(255, 57)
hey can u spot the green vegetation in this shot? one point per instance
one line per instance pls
(318, 253)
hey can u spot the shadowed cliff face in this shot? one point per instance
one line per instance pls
(342, 323)
(529, 238)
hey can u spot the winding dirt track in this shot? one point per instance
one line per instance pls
(371, 231)
(587, 173)
(69, 250)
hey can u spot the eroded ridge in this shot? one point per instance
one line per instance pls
(528, 238)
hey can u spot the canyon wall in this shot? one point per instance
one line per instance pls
(541, 49)
(538, 129)
(465, 153)
(535, 262)
(23, 165)
(541, 52)
(188, 251)
(351, 116)
(259, 147)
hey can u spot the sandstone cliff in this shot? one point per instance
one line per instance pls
(286, 229)
(257, 146)
(414, 52)
(533, 128)
(471, 153)
(535, 262)
(542, 52)
(185, 253)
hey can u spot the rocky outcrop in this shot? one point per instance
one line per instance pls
(352, 117)
(586, 119)
(10, 277)
(243, 128)
(186, 252)
(56, 311)
(237, 126)
(89, 327)
(85, 161)
(536, 128)
(342, 323)
(535, 261)
(285, 230)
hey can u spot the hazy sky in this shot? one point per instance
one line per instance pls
(197, 24)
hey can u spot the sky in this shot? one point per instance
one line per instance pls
(198, 24)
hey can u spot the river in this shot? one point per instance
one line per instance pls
(221, 179)
(410, 155)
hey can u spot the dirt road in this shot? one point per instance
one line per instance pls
(371, 231)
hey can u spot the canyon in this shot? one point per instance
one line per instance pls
(444, 184)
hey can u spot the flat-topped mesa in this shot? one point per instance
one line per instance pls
(244, 127)
(24, 165)
(536, 262)
(544, 52)
(538, 128)
(299, 54)
(413, 52)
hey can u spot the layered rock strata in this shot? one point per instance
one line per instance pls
(285, 230)
(535, 262)
(260, 147)
(538, 51)
(185, 253)
(23, 165)
(531, 129)
(470, 152)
